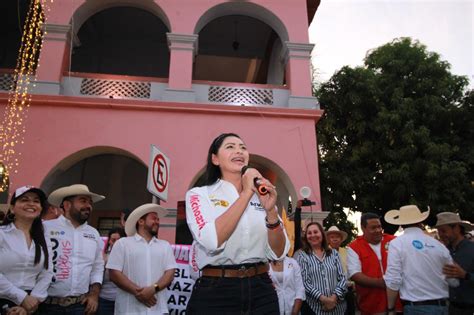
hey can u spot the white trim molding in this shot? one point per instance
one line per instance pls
(183, 42)
(59, 32)
(296, 51)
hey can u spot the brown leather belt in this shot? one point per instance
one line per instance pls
(244, 271)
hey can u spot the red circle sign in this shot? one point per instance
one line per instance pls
(160, 173)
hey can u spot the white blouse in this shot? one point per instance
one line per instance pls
(249, 241)
(18, 271)
(290, 287)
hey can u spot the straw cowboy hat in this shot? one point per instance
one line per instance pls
(57, 196)
(130, 224)
(406, 215)
(335, 230)
(445, 218)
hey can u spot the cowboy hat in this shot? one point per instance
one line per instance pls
(406, 215)
(335, 230)
(452, 218)
(57, 196)
(130, 224)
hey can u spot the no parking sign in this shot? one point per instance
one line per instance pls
(158, 173)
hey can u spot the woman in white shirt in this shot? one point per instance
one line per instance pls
(25, 267)
(286, 276)
(236, 232)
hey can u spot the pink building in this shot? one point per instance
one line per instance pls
(118, 76)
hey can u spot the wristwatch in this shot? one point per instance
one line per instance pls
(157, 288)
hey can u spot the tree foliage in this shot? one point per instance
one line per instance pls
(396, 131)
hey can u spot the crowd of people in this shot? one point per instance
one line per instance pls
(53, 262)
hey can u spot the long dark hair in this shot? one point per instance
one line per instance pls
(213, 172)
(36, 234)
(324, 243)
(118, 230)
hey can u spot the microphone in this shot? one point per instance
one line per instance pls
(262, 190)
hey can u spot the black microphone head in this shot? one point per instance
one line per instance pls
(244, 168)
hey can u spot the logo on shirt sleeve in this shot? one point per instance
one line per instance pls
(196, 207)
(417, 244)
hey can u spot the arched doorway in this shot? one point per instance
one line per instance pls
(240, 42)
(114, 173)
(237, 48)
(106, 43)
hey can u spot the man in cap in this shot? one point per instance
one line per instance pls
(367, 263)
(415, 266)
(451, 230)
(335, 238)
(77, 253)
(141, 265)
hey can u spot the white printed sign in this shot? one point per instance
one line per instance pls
(179, 291)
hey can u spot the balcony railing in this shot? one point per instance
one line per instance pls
(154, 89)
(6, 79)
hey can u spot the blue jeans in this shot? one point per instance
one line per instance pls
(106, 307)
(425, 310)
(54, 309)
(229, 296)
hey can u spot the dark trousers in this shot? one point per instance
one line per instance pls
(306, 309)
(350, 299)
(461, 309)
(229, 296)
(5, 305)
(106, 307)
(54, 309)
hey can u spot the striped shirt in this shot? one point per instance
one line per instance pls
(323, 277)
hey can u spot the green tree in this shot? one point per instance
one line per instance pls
(397, 131)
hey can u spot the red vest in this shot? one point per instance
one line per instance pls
(372, 300)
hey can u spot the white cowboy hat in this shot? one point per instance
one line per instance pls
(452, 218)
(130, 224)
(335, 230)
(406, 215)
(57, 196)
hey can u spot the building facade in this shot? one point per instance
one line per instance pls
(116, 77)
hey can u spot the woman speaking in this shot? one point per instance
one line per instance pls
(236, 231)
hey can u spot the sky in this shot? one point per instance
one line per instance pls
(344, 30)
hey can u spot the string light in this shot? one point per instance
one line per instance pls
(13, 127)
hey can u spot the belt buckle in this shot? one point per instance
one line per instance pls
(243, 272)
(65, 302)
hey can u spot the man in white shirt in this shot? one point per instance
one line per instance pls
(78, 264)
(415, 266)
(141, 265)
